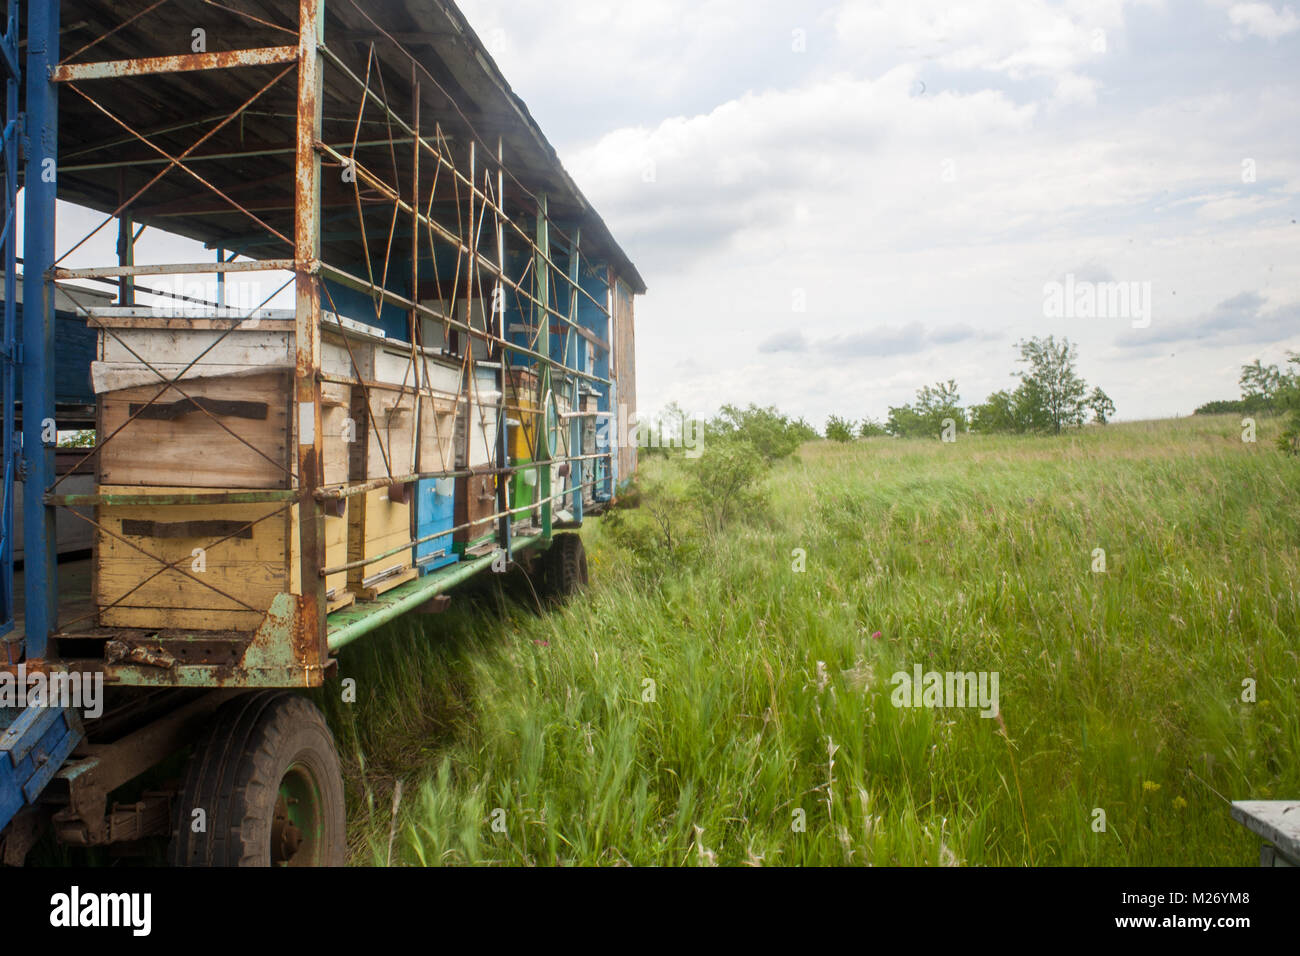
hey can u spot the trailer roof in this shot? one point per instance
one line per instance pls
(111, 147)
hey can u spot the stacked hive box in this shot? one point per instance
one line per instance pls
(435, 497)
(225, 426)
(523, 415)
(405, 421)
(477, 434)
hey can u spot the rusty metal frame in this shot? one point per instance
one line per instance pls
(476, 179)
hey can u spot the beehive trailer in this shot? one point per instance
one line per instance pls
(381, 343)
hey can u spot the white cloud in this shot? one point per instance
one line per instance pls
(1021, 38)
(914, 179)
(1262, 20)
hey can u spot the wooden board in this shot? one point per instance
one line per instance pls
(389, 431)
(347, 358)
(247, 345)
(623, 372)
(437, 434)
(179, 440)
(338, 432)
(476, 421)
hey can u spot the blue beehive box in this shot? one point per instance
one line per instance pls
(435, 511)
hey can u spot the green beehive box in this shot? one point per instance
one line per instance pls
(523, 488)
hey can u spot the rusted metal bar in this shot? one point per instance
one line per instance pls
(414, 320)
(443, 161)
(542, 277)
(356, 282)
(180, 165)
(449, 97)
(497, 324)
(162, 501)
(307, 195)
(205, 157)
(183, 63)
(176, 268)
(171, 163)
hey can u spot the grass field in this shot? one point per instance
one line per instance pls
(771, 738)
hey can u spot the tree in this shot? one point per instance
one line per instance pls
(1054, 394)
(1260, 384)
(839, 429)
(998, 413)
(1102, 407)
(934, 404)
(1288, 399)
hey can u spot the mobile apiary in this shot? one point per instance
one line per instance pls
(381, 354)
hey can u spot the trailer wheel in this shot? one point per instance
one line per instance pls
(266, 779)
(564, 566)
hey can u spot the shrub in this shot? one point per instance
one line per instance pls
(870, 428)
(772, 435)
(725, 482)
(839, 429)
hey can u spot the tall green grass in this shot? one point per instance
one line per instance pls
(771, 737)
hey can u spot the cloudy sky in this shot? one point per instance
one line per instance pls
(834, 203)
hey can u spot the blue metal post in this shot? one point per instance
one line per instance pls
(39, 429)
(9, 331)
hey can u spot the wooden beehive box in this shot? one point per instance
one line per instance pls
(522, 414)
(251, 565)
(229, 421)
(437, 451)
(476, 502)
(221, 432)
(477, 420)
(226, 423)
(378, 523)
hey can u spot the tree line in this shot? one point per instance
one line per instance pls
(1267, 390)
(1050, 398)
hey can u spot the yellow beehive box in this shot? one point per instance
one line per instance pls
(229, 561)
(522, 414)
(379, 523)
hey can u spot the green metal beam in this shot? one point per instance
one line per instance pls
(359, 620)
(541, 319)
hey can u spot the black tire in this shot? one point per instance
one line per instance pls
(266, 776)
(564, 567)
